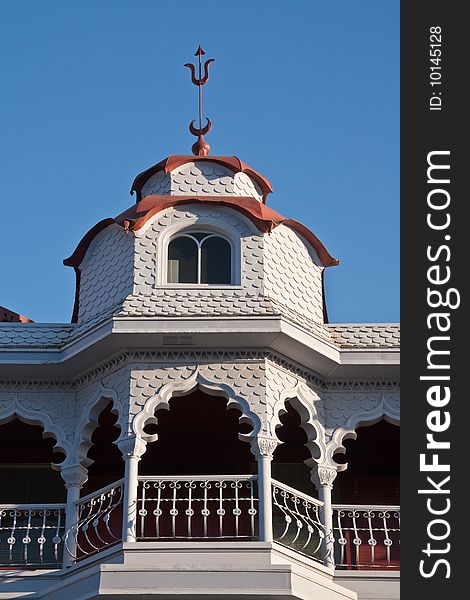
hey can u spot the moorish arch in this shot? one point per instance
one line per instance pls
(373, 473)
(89, 421)
(30, 458)
(104, 458)
(302, 399)
(50, 429)
(385, 410)
(184, 387)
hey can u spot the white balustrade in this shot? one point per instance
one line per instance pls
(99, 522)
(31, 535)
(296, 520)
(197, 507)
(366, 536)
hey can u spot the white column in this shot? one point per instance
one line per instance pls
(263, 448)
(132, 449)
(74, 476)
(323, 477)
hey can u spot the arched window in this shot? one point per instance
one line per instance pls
(199, 258)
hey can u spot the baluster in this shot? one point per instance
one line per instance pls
(236, 510)
(220, 510)
(111, 507)
(189, 510)
(252, 510)
(102, 509)
(158, 511)
(298, 522)
(307, 521)
(81, 525)
(26, 538)
(57, 539)
(89, 519)
(205, 511)
(12, 540)
(357, 540)
(341, 538)
(143, 510)
(173, 511)
(371, 541)
(42, 537)
(284, 509)
(387, 541)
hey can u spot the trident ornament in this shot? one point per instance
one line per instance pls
(201, 147)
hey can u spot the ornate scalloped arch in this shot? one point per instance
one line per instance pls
(186, 386)
(50, 429)
(383, 410)
(303, 399)
(89, 422)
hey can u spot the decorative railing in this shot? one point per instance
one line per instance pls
(366, 537)
(296, 521)
(197, 507)
(31, 535)
(99, 522)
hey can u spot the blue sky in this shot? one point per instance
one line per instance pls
(306, 92)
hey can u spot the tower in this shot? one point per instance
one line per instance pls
(195, 409)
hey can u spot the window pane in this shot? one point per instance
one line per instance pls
(182, 261)
(216, 261)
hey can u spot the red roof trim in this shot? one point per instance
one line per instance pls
(325, 257)
(76, 258)
(262, 216)
(175, 160)
(10, 316)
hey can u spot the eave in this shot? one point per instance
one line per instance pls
(118, 334)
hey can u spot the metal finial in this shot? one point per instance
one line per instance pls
(201, 147)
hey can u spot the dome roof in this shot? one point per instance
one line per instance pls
(202, 175)
(201, 180)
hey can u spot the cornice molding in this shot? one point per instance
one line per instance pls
(166, 357)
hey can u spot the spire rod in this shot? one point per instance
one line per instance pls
(201, 147)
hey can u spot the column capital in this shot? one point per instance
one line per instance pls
(323, 476)
(74, 476)
(132, 447)
(264, 446)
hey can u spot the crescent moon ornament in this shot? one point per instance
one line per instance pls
(203, 131)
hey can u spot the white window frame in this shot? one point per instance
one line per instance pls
(232, 237)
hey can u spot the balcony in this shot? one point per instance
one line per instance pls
(159, 516)
(201, 508)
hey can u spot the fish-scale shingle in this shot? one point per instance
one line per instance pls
(374, 335)
(33, 335)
